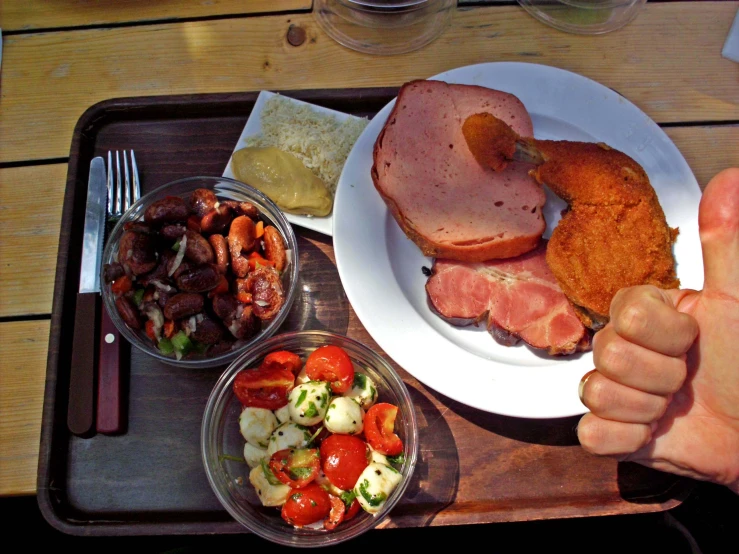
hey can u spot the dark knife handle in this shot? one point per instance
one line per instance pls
(81, 408)
(110, 386)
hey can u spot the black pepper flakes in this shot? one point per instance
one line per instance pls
(426, 271)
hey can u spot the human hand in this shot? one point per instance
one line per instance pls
(659, 396)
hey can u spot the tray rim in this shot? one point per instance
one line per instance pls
(51, 435)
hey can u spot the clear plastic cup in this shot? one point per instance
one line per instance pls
(587, 17)
(383, 27)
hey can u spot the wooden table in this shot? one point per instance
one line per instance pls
(57, 62)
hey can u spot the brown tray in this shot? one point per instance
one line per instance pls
(473, 467)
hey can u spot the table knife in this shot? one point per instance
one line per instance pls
(81, 407)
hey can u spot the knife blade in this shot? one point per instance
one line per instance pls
(81, 408)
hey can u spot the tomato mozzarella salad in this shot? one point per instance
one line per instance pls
(319, 444)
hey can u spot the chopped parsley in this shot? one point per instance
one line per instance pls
(373, 500)
(312, 411)
(398, 459)
(301, 397)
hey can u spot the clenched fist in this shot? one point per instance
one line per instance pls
(665, 391)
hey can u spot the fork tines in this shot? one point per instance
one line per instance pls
(121, 193)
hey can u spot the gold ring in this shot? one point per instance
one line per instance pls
(584, 380)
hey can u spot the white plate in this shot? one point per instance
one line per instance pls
(253, 127)
(381, 269)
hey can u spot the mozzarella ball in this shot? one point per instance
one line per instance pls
(302, 377)
(363, 391)
(344, 416)
(378, 457)
(288, 435)
(283, 414)
(308, 403)
(254, 454)
(269, 489)
(375, 485)
(256, 425)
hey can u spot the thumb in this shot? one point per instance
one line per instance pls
(718, 218)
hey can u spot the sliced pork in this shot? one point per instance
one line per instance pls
(517, 299)
(442, 198)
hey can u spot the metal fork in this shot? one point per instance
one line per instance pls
(122, 195)
(123, 190)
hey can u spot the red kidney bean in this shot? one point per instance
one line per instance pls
(199, 279)
(220, 249)
(267, 293)
(221, 347)
(242, 238)
(128, 312)
(198, 248)
(183, 304)
(174, 231)
(274, 247)
(113, 271)
(203, 201)
(245, 326)
(242, 208)
(137, 252)
(224, 305)
(207, 331)
(138, 226)
(167, 210)
(216, 220)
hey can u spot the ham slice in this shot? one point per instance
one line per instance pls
(517, 299)
(442, 198)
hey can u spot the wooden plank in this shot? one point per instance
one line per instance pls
(22, 374)
(32, 242)
(707, 149)
(30, 212)
(20, 15)
(50, 79)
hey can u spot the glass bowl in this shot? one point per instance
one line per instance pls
(384, 27)
(236, 190)
(585, 17)
(222, 443)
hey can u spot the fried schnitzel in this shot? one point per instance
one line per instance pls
(614, 234)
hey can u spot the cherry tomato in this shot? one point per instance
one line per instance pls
(121, 285)
(264, 387)
(295, 467)
(336, 515)
(286, 359)
(307, 505)
(343, 458)
(352, 510)
(332, 364)
(379, 425)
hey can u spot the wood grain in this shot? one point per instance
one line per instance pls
(30, 212)
(667, 62)
(24, 15)
(22, 371)
(707, 149)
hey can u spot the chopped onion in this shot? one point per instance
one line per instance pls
(199, 318)
(234, 327)
(179, 256)
(162, 286)
(154, 313)
(288, 256)
(261, 303)
(239, 311)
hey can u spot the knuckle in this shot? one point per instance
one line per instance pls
(632, 320)
(677, 375)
